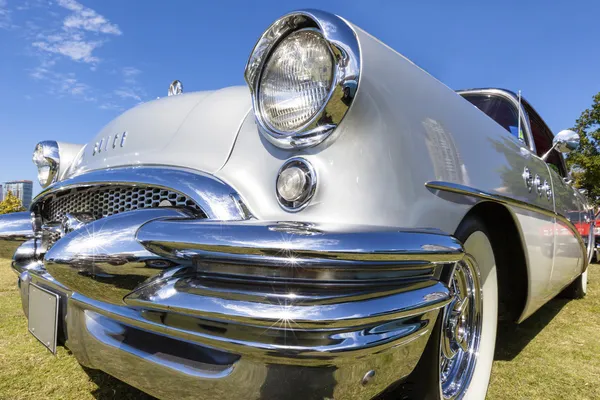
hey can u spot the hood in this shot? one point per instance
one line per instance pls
(193, 130)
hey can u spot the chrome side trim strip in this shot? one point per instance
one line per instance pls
(218, 200)
(472, 192)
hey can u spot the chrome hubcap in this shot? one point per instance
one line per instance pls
(461, 330)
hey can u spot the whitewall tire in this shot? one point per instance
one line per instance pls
(465, 331)
(479, 247)
(578, 288)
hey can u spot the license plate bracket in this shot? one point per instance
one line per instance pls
(43, 316)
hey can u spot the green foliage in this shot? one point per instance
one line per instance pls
(11, 204)
(586, 160)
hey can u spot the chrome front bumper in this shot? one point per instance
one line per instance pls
(196, 308)
(192, 332)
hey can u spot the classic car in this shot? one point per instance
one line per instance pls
(346, 226)
(596, 229)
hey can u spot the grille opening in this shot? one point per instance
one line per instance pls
(103, 201)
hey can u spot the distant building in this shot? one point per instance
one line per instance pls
(21, 189)
(1, 196)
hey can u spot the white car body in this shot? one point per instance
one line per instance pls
(410, 153)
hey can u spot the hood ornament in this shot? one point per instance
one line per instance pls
(175, 88)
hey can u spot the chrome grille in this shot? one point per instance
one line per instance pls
(108, 200)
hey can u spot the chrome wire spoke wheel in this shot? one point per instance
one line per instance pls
(461, 330)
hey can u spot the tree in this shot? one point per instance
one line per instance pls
(11, 204)
(585, 161)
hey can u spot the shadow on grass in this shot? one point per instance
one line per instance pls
(512, 338)
(110, 388)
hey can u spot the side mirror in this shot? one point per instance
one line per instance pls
(564, 141)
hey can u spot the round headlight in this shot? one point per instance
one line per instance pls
(296, 81)
(47, 160)
(303, 74)
(296, 184)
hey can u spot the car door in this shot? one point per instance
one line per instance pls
(526, 180)
(568, 250)
(568, 257)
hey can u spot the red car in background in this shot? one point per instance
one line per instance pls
(596, 237)
(584, 224)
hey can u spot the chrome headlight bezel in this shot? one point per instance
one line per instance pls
(46, 154)
(344, 47)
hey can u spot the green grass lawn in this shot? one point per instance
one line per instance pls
(555, 354)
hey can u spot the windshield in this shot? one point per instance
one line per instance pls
(500, 110)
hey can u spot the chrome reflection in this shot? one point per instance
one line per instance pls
(175, 88)
(106, 252)
(286, 253)
(188, 358)
(28, 256)
(443, 153)
(46, 158)
(263, 363)
(16, 226)
(461, 330)
(345, 48)
(138, 281)
(73, 221)
(194, 296)
(216, 199)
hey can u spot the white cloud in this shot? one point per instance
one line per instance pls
(131, 90)
(61, 84)
(73, 40)
(130, 75)
(72, 86)
(5, 18)
(25, 5)
(71, 32)
(39, 73)
(110, 106)
(130, 71)
(87, 19)
(126, 93)
(76, 50)
(71, 5)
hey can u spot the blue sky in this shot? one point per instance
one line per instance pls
(68, 67)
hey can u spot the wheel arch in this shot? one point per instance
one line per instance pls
(512, 265)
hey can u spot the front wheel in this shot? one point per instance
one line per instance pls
(457, 360)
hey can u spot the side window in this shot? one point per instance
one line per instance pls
(557, 163)
(542, 136)
(500, 110)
